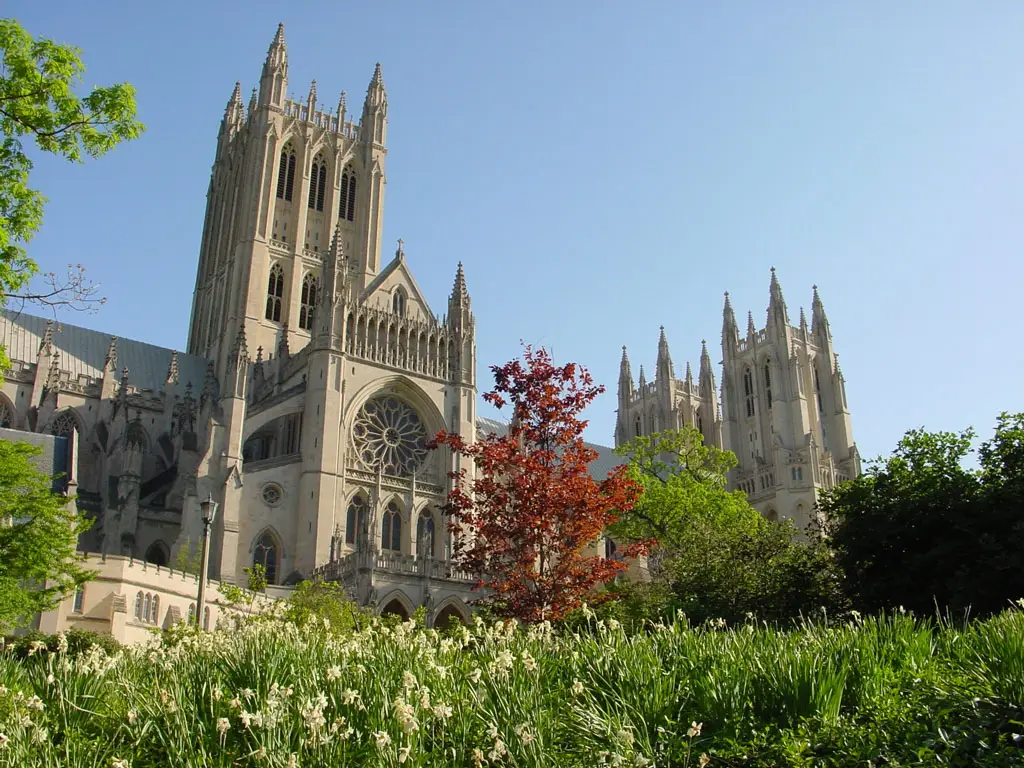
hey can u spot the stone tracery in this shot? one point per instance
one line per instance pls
(389, 436)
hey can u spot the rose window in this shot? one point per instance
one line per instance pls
(389, 436)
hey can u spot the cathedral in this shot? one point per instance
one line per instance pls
(783, 408)
(316, 372)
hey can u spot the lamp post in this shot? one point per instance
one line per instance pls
(208, 509)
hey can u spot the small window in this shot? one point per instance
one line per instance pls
(391, 528)
(610, 548)
(138, 606)
(191, 613)
(425, 535)
(272, 494)
(768, 383)
(265, 553)
(347, 195)
(355, 520)
(154, 613)
(398, 303)
(275, 293)
(317, 184)
(748, 391)
(79, 599)
(638, 427)
(307, 302)
(147, 604)
(286, 174)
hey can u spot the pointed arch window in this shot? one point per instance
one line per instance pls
(817, 390)
(307, 302)
(138, 606)
(425, 535)
(768, 383)
(391, 528)
(286, 174)
(398, 303)
(317, 184)
(154, 613)
(275, 293)
(638, 427)
(64, 425)
(748, 391)
(6, 418)
(355, 520)
(266, 553)
(147, 605)
(347, 195)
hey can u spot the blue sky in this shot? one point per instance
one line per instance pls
(605, 168)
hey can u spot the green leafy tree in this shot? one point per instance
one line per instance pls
(189, 558)
(922, 531)
(38, 102)
(39, 564)
(713, 555)
(320, 599)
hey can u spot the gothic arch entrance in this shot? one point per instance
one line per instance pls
(395, 608)
(449, 617)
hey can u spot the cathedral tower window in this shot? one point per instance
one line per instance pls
(308, 302)
(398, 302)
(748, 391)
(817, 389)
(347, 195)
(768, 382)
(286, 174)
(266, 553)
(355, 521)
(317, 184)
(391, 528)
(275, 293)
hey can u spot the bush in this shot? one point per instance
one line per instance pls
(78, 641)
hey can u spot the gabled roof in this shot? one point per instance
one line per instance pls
(83, 352)
(600, 468)
(397, 263)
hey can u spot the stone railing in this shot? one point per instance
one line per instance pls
(394, 563)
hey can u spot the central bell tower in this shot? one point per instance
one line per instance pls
(287, 175)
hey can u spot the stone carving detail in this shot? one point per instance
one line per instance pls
(388, 436)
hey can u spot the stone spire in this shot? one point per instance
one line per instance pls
(689, 375)
(625, 377)
(110, 362)
(311, 99)
(335, 266)
(707, 373)
(342, 108)
(46, 345)
(819, 321)
(172, 369)
(777, 312)
(643, 379)
(751, 328)
(665, 371)
(730, 333)
(460, 294)
(252, 102)
(209, 393)
(274, 79)
(803, 320)
(375, 109)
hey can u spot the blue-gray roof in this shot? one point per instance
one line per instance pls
(605, 462)
(83, 352)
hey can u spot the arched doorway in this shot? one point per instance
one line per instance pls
(395, 608)
(448, 617)
(157, 554)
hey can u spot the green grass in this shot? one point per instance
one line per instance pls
(886, 691)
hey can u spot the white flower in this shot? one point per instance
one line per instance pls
(408, 679)
(403, 754)
(349, 696)
(382, 739)
(525, 734)
(529, 662)
(118, 763)
(614, 625)
(248, 693)
(694, 730)
(478, 757)
(132, 716)
(62, 643)
(442, 711)
(3, 740)
(474, 677)
(218, 694)
(577, 688)
(498, 751)
(334, 673)
(624, 736)
(223, 724)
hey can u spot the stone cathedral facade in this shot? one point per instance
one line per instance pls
(316, 371)
(783, 408)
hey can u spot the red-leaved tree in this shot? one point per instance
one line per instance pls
(532, 510)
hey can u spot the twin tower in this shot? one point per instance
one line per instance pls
(783, 408)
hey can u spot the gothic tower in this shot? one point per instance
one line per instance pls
(784, 409)
(285, 174)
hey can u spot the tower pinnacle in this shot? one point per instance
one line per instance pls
(777, 312)
(274, 79)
